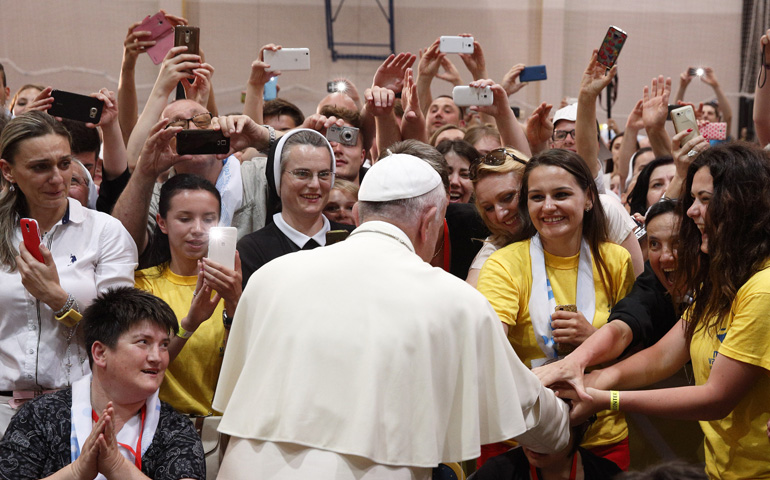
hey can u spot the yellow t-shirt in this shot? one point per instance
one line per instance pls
(737, 446)
(192, 377)
(506, 281)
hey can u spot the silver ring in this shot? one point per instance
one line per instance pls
(195, 293)
(692, 153)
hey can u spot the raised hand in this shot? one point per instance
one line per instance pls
(390, 74)
(430, 60)
(539, 127)
(379, 101)
(655, 103)
(509, 81)
(475, 61)
(596, 77)
(450, 73)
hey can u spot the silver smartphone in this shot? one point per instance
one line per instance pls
(222, 242)
(454, 44)
(684, 118)
(464, 96)
(288, 59)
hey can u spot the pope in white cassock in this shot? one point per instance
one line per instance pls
(416, 373)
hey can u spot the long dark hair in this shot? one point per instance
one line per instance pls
(594, 220)
(637, 199)
(738, 229)
(158, 253)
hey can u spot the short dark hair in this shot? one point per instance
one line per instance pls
(461, 109)
(279, 106)
(84, 139)
(637, 198)
(667, 205)
(2, 75)
(117, 310)
(350, 116)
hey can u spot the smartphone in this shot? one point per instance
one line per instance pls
(271, 90)
(222, 242)
(30, 232)
(535, 73)
(288, 59)
(76, 107)
(162, 32)
(343, 135)
(611, 46)
(564, 349)
(714, 131)
(454, 44)
(192, 142)
(684, 118)
(335, 236)
(188, 37)
(464, 96)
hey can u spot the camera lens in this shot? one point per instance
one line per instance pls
(346, 136)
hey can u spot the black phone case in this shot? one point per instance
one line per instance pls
(201, 142)
(76, 107)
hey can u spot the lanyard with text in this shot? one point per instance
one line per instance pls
(138, 452)
(535, 472)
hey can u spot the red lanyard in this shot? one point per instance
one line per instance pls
(447, 248)
(138, 452)
(534, 472)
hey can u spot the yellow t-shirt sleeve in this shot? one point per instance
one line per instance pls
(748, 338)
(497, 284)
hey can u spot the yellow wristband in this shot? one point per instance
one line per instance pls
(614, 400)
(70, 318)
(182, 333)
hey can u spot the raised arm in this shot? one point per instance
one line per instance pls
(135, 43)
(684, 80)
(133, 206)
(115, 158)
(511, 132)
(710, 79)
(255, 87)
(595, 79)
(654, 114)
(176, 67)
(683, 157)
(762, 95)
(634, 124)
(509, 80)
(427, 68)
(539, 128)
(379, 102)
(413, 121)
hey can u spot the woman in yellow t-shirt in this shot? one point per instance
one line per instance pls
(561, 258)
(724, 259)
(203, 294)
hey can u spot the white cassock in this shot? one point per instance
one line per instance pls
(360, 360)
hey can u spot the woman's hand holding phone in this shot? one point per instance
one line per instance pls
(41, 279)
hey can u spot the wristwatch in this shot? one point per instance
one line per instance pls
(226, 321)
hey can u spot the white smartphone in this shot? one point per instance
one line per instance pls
(684, 118)
(464, 96)
(288, 59)
(222, 242)
(454, 44)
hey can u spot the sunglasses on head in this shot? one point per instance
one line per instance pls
(494, 158)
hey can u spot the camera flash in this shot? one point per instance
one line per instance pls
(341, 86)
(699, 72)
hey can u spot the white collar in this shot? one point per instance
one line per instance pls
(386, 229)
(297, 237)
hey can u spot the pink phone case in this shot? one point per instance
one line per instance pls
(163, 34)
(713, 131)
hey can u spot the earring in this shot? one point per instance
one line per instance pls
(588, 208)
(12, 188)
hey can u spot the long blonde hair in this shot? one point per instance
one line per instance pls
(13, 204)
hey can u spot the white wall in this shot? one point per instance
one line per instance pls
(77, 44)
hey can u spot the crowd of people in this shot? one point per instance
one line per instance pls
(508, 285)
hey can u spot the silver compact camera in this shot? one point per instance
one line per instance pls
(343, 135)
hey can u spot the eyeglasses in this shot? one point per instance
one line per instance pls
(559, 135)
(494, 158)
(305, 175)
(202, 120)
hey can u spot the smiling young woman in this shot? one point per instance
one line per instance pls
(563, 258)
